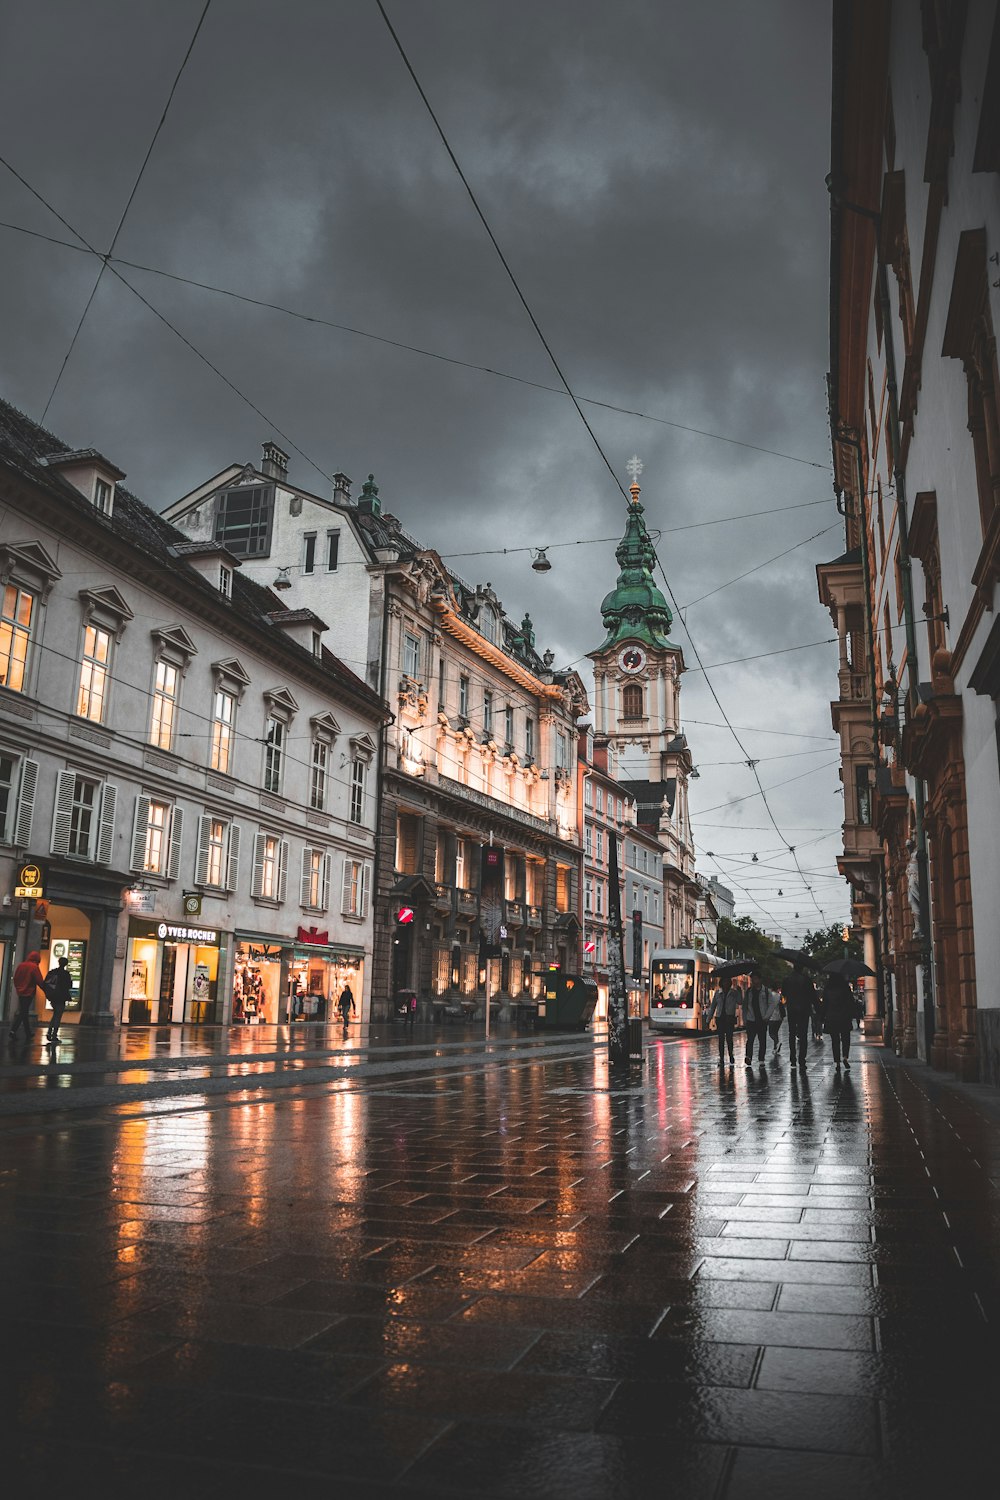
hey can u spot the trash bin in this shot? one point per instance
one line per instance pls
(635, 1052)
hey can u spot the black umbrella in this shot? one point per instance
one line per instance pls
(730, 970)
(849, 968)
(797, 956)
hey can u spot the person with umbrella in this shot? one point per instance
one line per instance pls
(725, 1004)
(759, 1005)
(801, 1004)
(839, 1010)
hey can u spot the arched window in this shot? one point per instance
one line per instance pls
(632, 701)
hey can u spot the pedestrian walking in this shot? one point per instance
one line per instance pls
(723, 1010)
(58, 987)
(346, 1004)
(775, 1020)
(27, 978)
(802, 1007)
(839, 1010)
(757, 1004)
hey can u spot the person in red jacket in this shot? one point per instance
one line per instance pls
(27, 978)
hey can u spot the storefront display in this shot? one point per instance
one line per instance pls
(74, 950)
(276, 984)
(171, 974)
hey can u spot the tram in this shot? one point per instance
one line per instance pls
(680, 988)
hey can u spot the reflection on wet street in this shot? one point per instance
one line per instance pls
(422, 1267)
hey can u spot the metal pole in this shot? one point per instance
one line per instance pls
(488, 962)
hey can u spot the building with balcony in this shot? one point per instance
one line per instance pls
(182, 759)
(915, 425)
(482, 747)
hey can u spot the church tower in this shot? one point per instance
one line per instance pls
(637, 689)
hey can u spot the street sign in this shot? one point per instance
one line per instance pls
(30, 881)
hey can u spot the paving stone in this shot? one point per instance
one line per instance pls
(511, 1282)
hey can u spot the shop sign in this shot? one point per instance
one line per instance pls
(265, 955)
(142, 903)
(310, 935)
(176, 932)
(30, 881)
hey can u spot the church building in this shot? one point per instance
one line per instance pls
(637, 672)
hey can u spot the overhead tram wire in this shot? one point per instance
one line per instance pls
(580, 412)
(447, 359)
(128, 205)
(167, 323)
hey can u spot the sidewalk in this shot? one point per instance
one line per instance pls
(417, 1268)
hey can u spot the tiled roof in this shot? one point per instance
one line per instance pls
(24, 447)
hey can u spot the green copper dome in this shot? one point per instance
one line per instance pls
(636, 610)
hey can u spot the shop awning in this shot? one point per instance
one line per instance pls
(332, 952)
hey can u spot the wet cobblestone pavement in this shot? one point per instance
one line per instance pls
(418, 1267)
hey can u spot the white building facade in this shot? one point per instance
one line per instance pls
(187, 766)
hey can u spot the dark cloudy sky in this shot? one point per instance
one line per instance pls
(654, 173)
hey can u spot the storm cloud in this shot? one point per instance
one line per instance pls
(654, 173)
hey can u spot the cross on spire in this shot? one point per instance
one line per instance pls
(634, 468)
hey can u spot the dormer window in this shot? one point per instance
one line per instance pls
(317, 643)
(103, 496)
(225, 581)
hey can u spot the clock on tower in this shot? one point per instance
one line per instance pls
(632, 659)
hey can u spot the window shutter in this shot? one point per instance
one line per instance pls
(282, 868)
(233, 863)
(324, 891)
(201, 858)
(176, 830)
(363, 901)
(140, 826)
(106, 831)
(258, 865)
(304, 890)
(62, 812)
(25, 803)
(345, 897)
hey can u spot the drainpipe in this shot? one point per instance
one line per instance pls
(379, 794)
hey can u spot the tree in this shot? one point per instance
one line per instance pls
(827, 943)
(744, 939)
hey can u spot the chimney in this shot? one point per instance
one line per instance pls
(341, 490)
(273, 462)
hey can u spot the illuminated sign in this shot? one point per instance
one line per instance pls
(30, 881)
(176, 933)
(405, 915)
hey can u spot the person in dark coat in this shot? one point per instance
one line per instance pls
(346, 1004)
(802, 1009)
(27, 978)
(758, 1003)
(58, 987)
(839, 1006)
(725, 1004)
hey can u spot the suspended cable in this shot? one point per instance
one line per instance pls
(128, 205)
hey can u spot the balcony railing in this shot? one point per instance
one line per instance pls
(514, 914)
(534, 916)
(854, 686)
(443, 897)
(467, 901)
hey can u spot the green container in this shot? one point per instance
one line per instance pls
(566, 1003)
